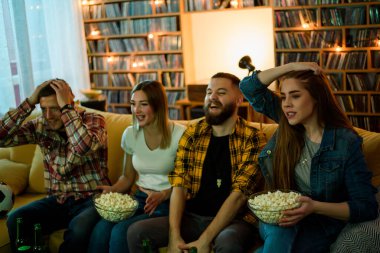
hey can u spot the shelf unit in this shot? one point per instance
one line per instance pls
(132, 41)
(207, 5)
(343, 36)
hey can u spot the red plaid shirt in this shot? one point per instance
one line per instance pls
(74, 165)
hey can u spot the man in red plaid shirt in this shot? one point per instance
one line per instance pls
(74, 146)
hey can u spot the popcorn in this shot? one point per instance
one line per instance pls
(268, 206)
(115, 206)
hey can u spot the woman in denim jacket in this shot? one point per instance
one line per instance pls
(315, 151)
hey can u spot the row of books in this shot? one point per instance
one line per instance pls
(137, 62)
(344, 16)
(349, 103)
(374, 14)
(375, 58)
(345, 60)
(161, 43)
(295, 18)
(308, 39)
(201, 5)
(283, 58)
(363, 82)
(370, 123)
(169, 79)
(134, 26)
(285, 3)
(124, 96)
(362, 37)
(129, 8)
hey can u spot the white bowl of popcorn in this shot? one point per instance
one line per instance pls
(268, 205)
(114, 206)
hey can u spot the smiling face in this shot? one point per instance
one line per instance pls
(297, 104)
(51, 111)
(221, 100)
(141, 108)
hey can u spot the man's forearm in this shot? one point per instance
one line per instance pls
(177, 207)
(225, 215)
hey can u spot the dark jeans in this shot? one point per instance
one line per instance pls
(77, 216)
(112, 237)
(237, 237)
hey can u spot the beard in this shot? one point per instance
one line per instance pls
(215, 120)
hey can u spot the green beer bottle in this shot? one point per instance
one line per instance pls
(39, 245)
(22, 244)
(147, 248)
(193, 250)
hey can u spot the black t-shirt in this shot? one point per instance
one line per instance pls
(216, 179)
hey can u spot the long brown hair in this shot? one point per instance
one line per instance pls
(290, 139)
(159, 103)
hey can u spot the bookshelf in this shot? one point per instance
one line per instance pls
(132, 41)
(343, 36)
(207, 5)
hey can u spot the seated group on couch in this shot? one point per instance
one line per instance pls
(207, 170)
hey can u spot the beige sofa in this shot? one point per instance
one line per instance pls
(22, 168)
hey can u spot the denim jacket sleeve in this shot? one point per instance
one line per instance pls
(261, 98)
(362, 202)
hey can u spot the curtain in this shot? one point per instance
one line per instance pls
(40, 40)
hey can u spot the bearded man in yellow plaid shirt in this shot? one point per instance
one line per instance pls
(215, 170)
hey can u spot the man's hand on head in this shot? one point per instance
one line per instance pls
(33, 99)
(64, 94)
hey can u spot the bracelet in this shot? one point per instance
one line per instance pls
(67, 106)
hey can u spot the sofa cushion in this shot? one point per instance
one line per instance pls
(36, 175)
(371, 147)
(14, 174)
(22, 154)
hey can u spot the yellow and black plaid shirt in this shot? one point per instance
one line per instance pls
(245, 144)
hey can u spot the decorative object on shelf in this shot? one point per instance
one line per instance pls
(91, 94)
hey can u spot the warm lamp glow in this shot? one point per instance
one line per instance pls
(85, 2)
(305, 25)
(150, 36)
(234, 3)
(110, 59)
(378, 42)
(338, 48)
(140, 64)
(158, 2)
(134, 65)
(95, 33)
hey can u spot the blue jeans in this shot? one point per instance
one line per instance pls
(311, 234)
(112, 237)
(276, 239)
(75, 215)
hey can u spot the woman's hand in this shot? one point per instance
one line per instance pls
(293, 216)
(104, 188)
(298, 66)
(153, 200)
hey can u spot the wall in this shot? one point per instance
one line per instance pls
(215, 41)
